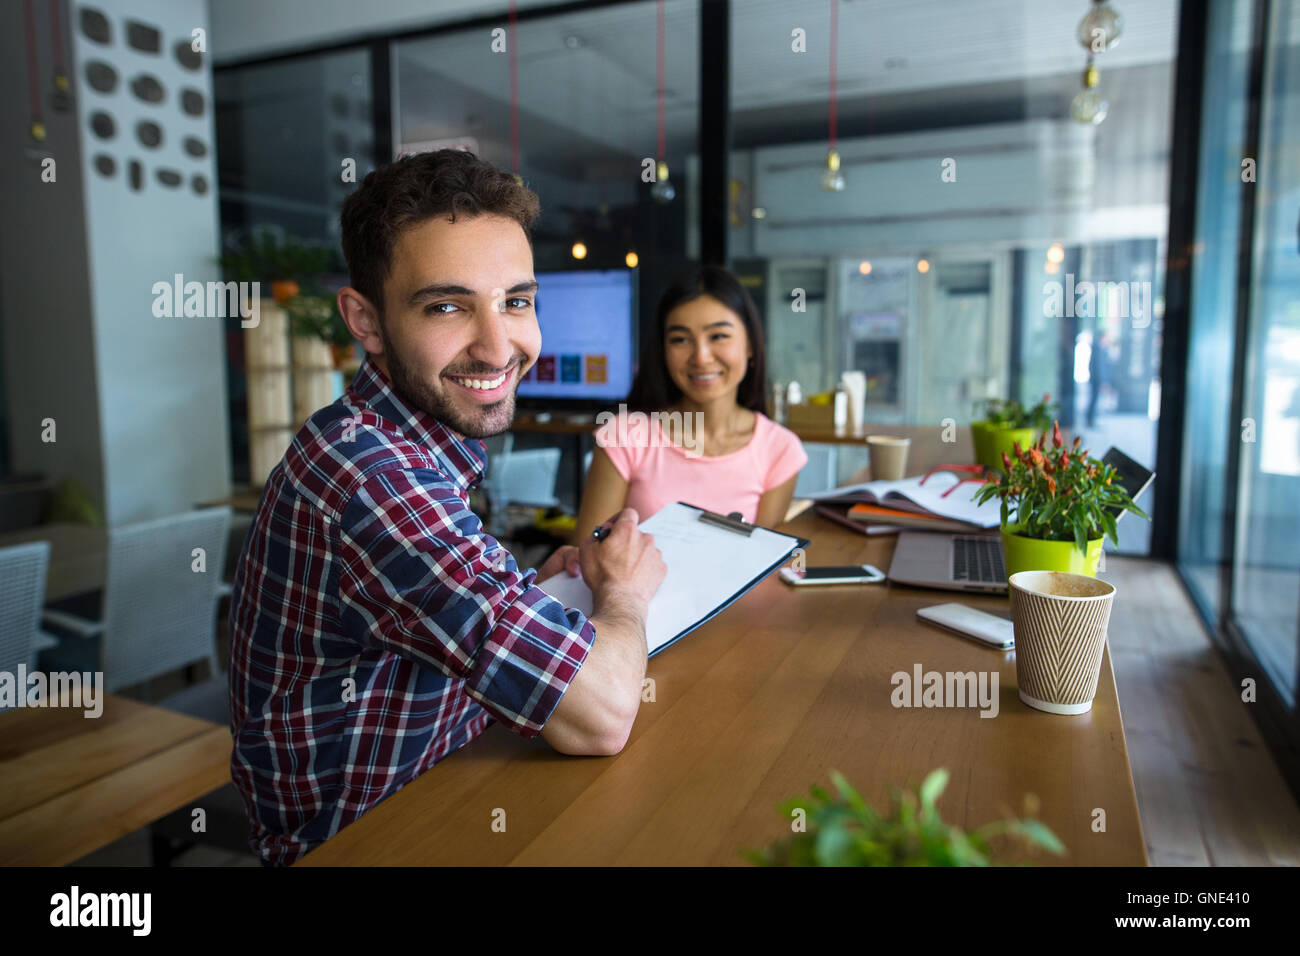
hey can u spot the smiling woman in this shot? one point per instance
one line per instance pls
(704, 369)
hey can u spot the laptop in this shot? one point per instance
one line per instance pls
(973, 562)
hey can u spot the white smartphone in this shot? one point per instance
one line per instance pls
(988, 629)
(840, 574)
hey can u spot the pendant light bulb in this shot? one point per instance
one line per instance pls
(832, 178)
(662, 191)
(1100, 28)
(1088, 106)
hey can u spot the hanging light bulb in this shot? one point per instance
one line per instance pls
(1087, 105)
(832, 178)
(662, 191)
(579, 250)
(631, 259)
(1100, 27)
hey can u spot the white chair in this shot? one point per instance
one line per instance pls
(819, 473)
(523, 478)
(22, 592)
(159, 613)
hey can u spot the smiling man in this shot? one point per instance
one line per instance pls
(375, 626)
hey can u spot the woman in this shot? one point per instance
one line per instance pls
(702, 386)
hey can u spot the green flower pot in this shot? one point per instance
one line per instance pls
(992, 440)
(1034, 554)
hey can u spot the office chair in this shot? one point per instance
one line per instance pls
(22, 592)
(159, 614)
(819, 473)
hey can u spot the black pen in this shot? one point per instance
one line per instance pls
(601, 533)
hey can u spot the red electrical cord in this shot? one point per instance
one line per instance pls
(33, 69)
(663, 125)
(514, 93)
(56, 37)
(834, 43)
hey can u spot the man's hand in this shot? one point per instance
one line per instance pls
(624, 570)
(626, 562)
(565, 559)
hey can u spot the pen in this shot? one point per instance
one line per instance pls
(600, 534)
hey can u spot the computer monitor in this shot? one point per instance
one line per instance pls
(588, 323)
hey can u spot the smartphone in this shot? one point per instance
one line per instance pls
(987, 629)
(839, 574)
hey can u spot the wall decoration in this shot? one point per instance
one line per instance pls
(142, 37)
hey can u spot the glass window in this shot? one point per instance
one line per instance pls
(1266, 579)
(1212, 327)
(588, 107)
(985, 243)
(286, 131)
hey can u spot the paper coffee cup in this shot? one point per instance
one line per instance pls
(887, 456)
(1060, 624)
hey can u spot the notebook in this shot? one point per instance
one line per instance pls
(909, 494)
(709, 567)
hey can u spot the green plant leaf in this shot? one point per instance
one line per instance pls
(932, 787)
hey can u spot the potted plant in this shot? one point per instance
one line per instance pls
(1006, 422)
(281, 262)
(842, 830)
(1058, 506)
(315, 315)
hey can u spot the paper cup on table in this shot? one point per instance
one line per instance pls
(1060, 624)
(888, 457)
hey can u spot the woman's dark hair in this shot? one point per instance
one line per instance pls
(653, 389)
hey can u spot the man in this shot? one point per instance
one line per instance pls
(375, 627)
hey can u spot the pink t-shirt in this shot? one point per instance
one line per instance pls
(658, 472)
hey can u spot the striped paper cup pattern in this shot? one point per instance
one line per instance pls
(1060, 625)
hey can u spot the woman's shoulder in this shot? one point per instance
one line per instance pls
(774, 433)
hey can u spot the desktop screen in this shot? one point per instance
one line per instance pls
(588, 325)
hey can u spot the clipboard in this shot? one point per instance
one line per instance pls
(713, 560)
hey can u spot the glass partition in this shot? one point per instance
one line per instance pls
(985, 243)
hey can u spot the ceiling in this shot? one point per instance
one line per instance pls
(587, 79)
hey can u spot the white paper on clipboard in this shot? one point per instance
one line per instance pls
(708, 568)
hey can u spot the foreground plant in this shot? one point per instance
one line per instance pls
(842, 830)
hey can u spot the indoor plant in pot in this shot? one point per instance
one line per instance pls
(1005, 423)
(315, 315)
(1058, 505)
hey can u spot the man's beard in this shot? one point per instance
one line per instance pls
(483, 422)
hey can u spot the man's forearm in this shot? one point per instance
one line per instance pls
(619, 619)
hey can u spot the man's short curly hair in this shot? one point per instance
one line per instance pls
(414, 189)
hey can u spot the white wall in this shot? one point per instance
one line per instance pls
(140, 401)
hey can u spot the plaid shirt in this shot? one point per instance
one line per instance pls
(375, 627)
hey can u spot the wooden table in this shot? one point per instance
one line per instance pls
(750, 710)
(77, 556)
(71, 784)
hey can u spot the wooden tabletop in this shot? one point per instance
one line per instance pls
(750, 710)
(70, 784)
(77, 556)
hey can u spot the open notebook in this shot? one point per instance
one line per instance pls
(709, 567)
(909, 494)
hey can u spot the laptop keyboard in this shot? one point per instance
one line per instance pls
(978, 560)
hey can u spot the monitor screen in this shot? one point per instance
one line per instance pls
(588, 323)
